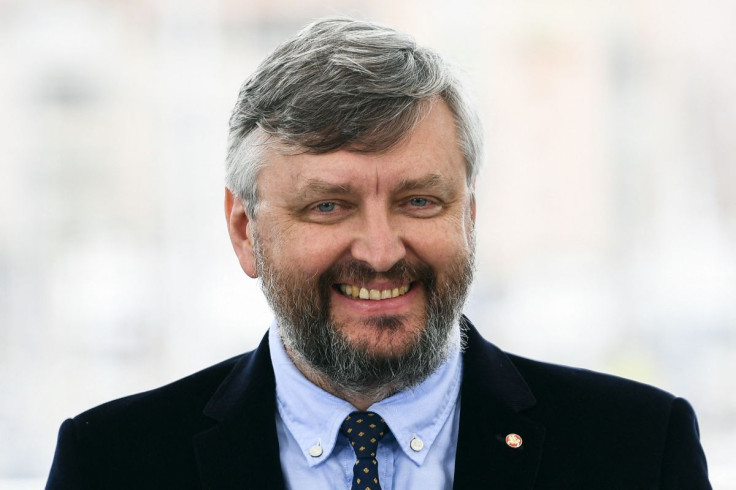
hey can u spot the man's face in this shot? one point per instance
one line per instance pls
(366, 258)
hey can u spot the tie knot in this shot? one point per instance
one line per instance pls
(364, 430)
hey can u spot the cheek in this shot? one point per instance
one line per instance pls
(441, 243)
(309, 251)
(443, 255)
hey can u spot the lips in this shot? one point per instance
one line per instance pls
(357, 292)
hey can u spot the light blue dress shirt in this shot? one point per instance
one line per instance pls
(419, 453)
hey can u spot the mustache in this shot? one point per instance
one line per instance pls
(358, 272)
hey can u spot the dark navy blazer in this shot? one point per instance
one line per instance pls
(216, 430)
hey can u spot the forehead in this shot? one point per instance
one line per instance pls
(430, 149)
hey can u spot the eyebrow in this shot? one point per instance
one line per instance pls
(321, 187)
(316, 186)
(430, 181)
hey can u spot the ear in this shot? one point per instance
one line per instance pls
(240, 229)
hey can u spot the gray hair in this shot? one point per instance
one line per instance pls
(341, 83)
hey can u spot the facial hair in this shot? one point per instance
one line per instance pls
(302, 309)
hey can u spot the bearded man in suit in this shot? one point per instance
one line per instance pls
(350, 193)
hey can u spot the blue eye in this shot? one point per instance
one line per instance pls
(326, 207)
(418, 202)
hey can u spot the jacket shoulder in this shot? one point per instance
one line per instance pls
(595, 430)
(142, 440)
(576, 386)
(166, 404)
(604, 421)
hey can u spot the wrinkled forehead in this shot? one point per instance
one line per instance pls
(429, 153)
(432, 135)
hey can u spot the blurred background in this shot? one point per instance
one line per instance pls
(607, 207)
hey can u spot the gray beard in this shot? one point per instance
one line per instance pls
(302, 309)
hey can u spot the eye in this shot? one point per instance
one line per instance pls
(422, 207)
(419, 202)
(326, 207)
(327, 212)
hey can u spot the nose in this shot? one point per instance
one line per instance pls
(379, 244)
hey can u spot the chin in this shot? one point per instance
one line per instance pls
(384, 337)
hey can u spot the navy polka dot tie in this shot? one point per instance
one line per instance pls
(364, 430)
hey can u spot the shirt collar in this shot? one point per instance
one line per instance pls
(313, 416)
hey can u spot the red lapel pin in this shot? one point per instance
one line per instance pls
(513, 441)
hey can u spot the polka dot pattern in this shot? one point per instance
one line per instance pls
(364, 430)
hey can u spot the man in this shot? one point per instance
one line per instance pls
(350, 194)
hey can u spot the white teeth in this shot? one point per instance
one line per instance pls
(355, 292)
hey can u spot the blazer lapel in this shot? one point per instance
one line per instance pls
(242, 450)
(492, 399)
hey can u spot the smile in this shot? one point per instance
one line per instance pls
(357, 292)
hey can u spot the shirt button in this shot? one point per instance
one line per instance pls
(416, 444)
(315, 451)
